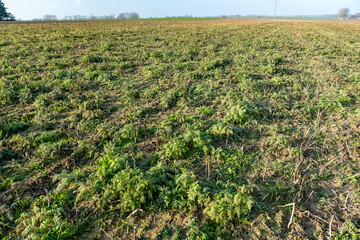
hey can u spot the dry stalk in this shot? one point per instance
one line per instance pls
(301, 187)
(309, 196)
(266, 226)
(292, 216)
(292, 213)
(128, 218)
(47, 196)
(332, 218)
(157, 139)
(107, 234)
(323, 168)
(355, 149)
(295, 173)
(346, 200)
(133, 158)
(136, 131)
(207, 167)
(315, 216)
(243, 144)
(209, 170)
(358, 174)
(145, 127)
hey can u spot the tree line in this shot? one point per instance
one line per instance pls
(131, 15)
(6, 16)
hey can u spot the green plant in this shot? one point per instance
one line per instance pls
(186, 194)
(42, 223)
(237, 114)
(175, 149)
(229, 204)
(92, 59)
(349, 230)
(129, 188)
(109, 117)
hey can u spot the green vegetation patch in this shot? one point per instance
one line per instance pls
(173, 129)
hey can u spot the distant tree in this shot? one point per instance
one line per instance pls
(68, 18)
(4, 14)
(134, 15)
(77, 17)
(109, 17)
(11, 17)
(121, 16)
(49, 18)
(131, 15)
(353, 17)
(344, 13)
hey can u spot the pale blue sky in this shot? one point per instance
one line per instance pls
(29, 9)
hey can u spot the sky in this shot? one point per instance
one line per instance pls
(30, 9)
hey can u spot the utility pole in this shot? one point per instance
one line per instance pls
(276, 2)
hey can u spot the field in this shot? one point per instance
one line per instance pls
(208, 129)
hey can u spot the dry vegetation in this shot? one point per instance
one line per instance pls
(180, 130)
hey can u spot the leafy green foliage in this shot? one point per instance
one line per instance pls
(130, 189)
(228, 205)
(237, 114)
(45, 224)
(176, 148)
(183, 193)
(12, 127)
(48, 222)
(181, 146)
(349, 230)
(178, 129)
(92, 59)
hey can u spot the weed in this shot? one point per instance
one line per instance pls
(215, 123)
